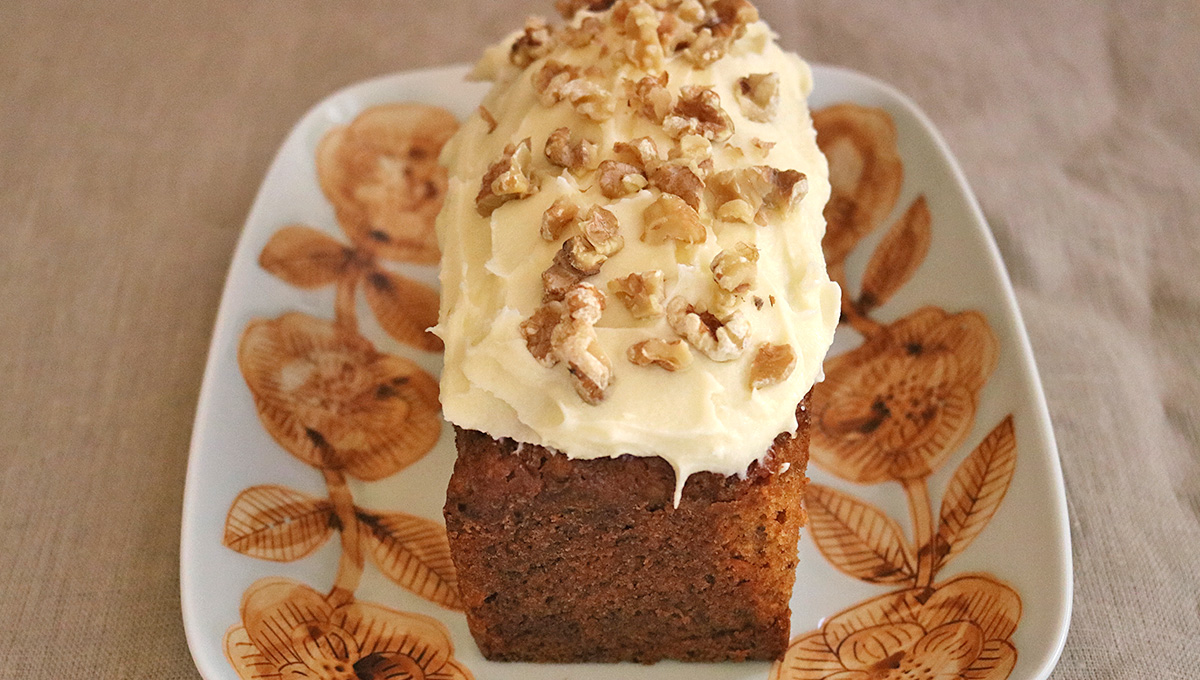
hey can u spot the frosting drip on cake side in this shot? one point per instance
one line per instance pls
(632, 239)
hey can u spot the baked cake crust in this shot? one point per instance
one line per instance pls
(565, 560)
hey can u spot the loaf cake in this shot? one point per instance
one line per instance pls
(634, 308)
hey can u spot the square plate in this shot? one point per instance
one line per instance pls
(1006, 598)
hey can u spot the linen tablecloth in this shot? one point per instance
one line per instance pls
(133, 136)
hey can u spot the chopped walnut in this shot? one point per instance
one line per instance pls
(564, 330)
(582, 35)
(585, 303)
(641, 153)
(599, 226)
(487, 118)
(763, 148)
(718, 339)
(573, 340)
(650, 97)
(506, 179)
(788, 187)
(559, 278)
(734, 269)
(575, 155)
(669, 354)
(679, 180)
(642, 293)
(733, 16)
(691, 11)
(669, 217)
(557, 81)
(698, 111)
(758, 93)
(591, 99)
(693, 148)
(598, 240)
(619, 179)
(772, 364)
(539, 329)
(535, 43)
(737, 210)
(754, 189)
(560, 215)
(568, 8)
(725, 23)
(643, 47)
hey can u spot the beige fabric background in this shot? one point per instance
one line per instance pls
(133, 136)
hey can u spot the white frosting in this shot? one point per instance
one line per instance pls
(702, 418)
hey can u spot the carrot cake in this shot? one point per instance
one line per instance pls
(634, 308)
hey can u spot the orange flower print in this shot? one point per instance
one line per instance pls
(898, 405)
(335, 402)
(382, 176)
(958, 630)
(289, 631)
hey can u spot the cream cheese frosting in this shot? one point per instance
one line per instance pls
(726, 401)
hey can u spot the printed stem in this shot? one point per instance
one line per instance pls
(344, 309)
(921, 510)
(350, 566)
(851, 313)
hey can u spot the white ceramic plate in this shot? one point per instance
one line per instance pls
(1026, 545)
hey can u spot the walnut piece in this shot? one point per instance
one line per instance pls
(724, 23)
(699, 112)
(582, 35)
(598, 240)
(619, 179)
(642, 153)
(573, 340)
(650, 97)
(536, 42)
(557, 81)
(559, 278)
(763, 148)
(643, 47)
(679, 180)
(643, 294)
(560, 215)
(538, 330)
(669, 217)
(564, 331)
(772, 364)
(755, 190)
(575, 155)
(716, 338)
(568, 8)
(669, 354)
(734, 269)
(758, 94)
(506, 179)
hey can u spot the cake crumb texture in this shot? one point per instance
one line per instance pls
(570, 560)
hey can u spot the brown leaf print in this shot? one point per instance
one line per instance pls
(865, 172)
(858, 538)
(406, 309)
(290, 631)
(895, 407)
(957, 630)
(331, 399)
(414, 553)
(976, 491)
(305, 257)
(381, 174)
(897, 257)
(277, 523)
